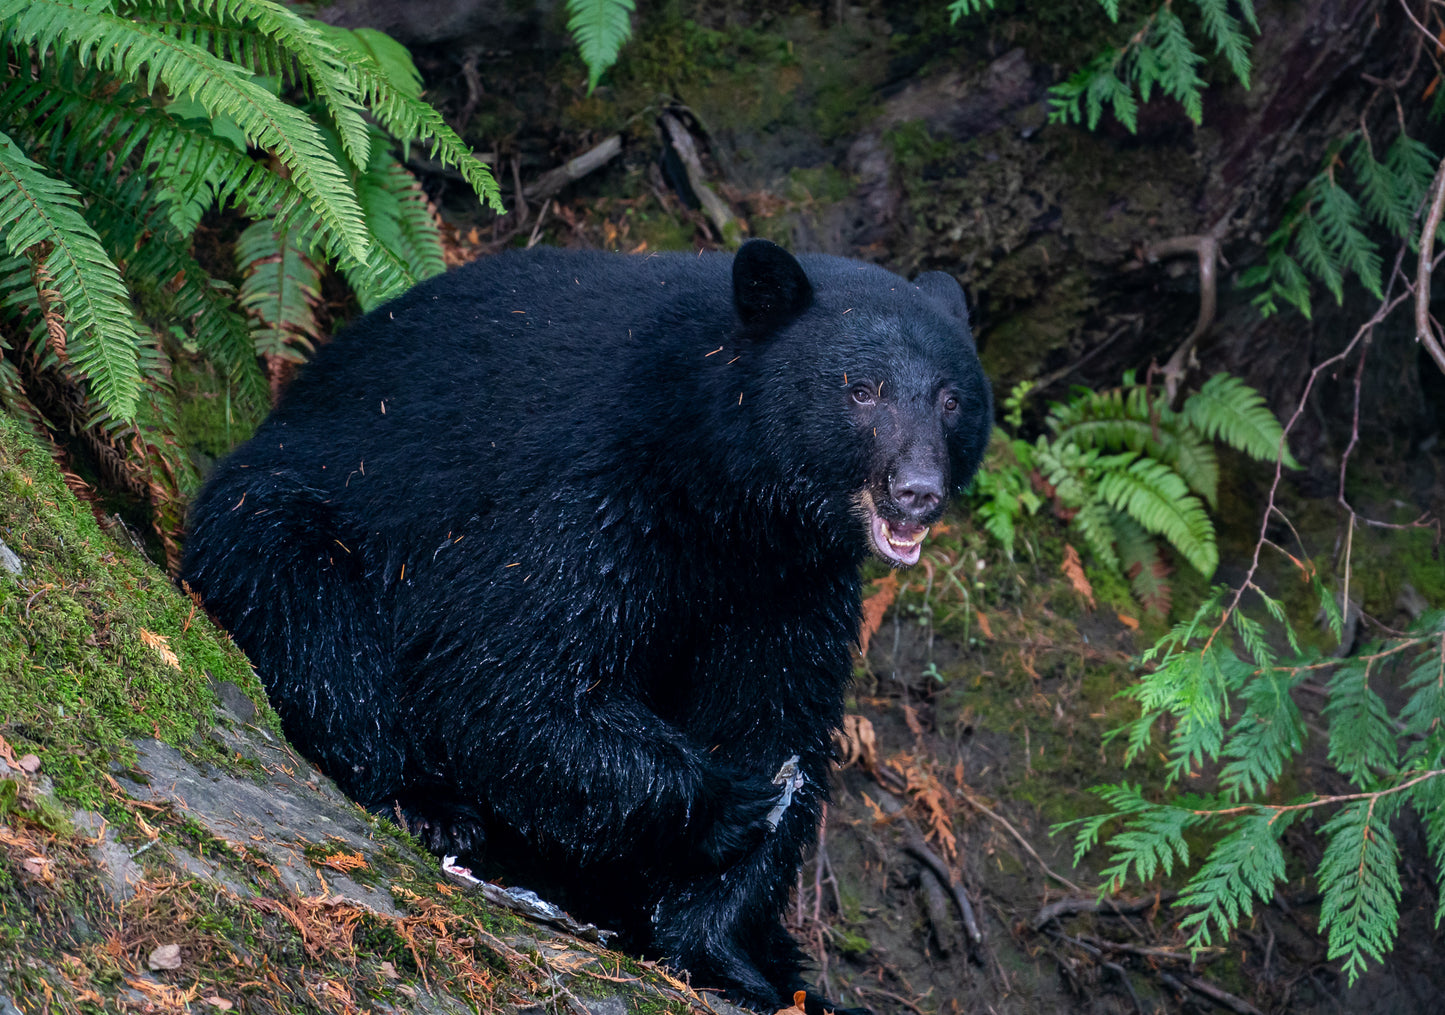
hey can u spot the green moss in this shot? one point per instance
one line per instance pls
(96, 645)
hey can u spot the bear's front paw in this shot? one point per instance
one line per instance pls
(741, 804)
(445, 831)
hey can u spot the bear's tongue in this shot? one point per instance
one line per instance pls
(899, 541)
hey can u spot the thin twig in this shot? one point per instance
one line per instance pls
(1107, 906)
(915, 846)
(978, 805)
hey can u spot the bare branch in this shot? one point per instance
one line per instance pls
(1424, 333)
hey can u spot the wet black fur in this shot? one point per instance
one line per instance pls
(557, 555)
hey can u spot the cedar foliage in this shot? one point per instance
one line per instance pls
(1158, 54)
(1217, 667)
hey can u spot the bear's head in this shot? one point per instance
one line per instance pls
(874, 402)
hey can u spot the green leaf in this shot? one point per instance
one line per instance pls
(1342, 225)
(1140, 561)
(963, 8)
(1178, 63)
(1361, 884)
(103, 342)
(1228, 37)
(135, 50)
(280, 290)
(1245, 865)
(391, 88)
(1225, 407)
(1152, 839)
(1268, 734)
(1361, 738)
(600, 28)
(1154, 496)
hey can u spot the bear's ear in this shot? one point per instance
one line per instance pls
(769, 286)
(944, 290)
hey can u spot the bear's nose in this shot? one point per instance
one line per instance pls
(916, 491)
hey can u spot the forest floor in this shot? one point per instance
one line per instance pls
(985, 707)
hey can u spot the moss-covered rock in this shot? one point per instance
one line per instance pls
(162, 849)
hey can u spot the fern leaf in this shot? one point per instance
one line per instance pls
(1140, 561)
(1379, 189)
(1093, 522)
(1155, 497)
(1412, 164)
(1361, 884)
(390, 86)
(104, 345)
(1428, 799)
(134, 50)
(1152, 839)
(1315, 254)
(1343, 227)
(271, 40)
(401, 217)
(1225, 407)
(600, 27)
(1424, 711)
(1245, 865)
(963, 8)
(1190, 686)
(279, 291)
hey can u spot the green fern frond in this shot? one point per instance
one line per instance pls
(1109, 420)
(1360, 882)
(241, 30)
(1178, 73)
(1154, 496)
(1245, 865)
(1412, 163)
(134, 50)
(280, 290)
(1428, 800)
(1140, 562)
(600, 28)
(1342, 224)
(1152, 839)
(1315, 255)
(1280, 277)
(44, 215)
(1094, 522)
(390, 86)
(963, 8)
(1226, 408)
(401, 217)
(1379, 189)
(1424, 710)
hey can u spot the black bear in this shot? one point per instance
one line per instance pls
(556, 557)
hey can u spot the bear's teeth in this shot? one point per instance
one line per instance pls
(895, 541)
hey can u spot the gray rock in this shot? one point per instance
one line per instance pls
(10, 562)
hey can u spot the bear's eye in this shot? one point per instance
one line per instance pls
(862, 394)
(950, 404)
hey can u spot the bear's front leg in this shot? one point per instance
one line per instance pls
(724, 928)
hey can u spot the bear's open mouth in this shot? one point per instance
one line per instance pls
(898, 541)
